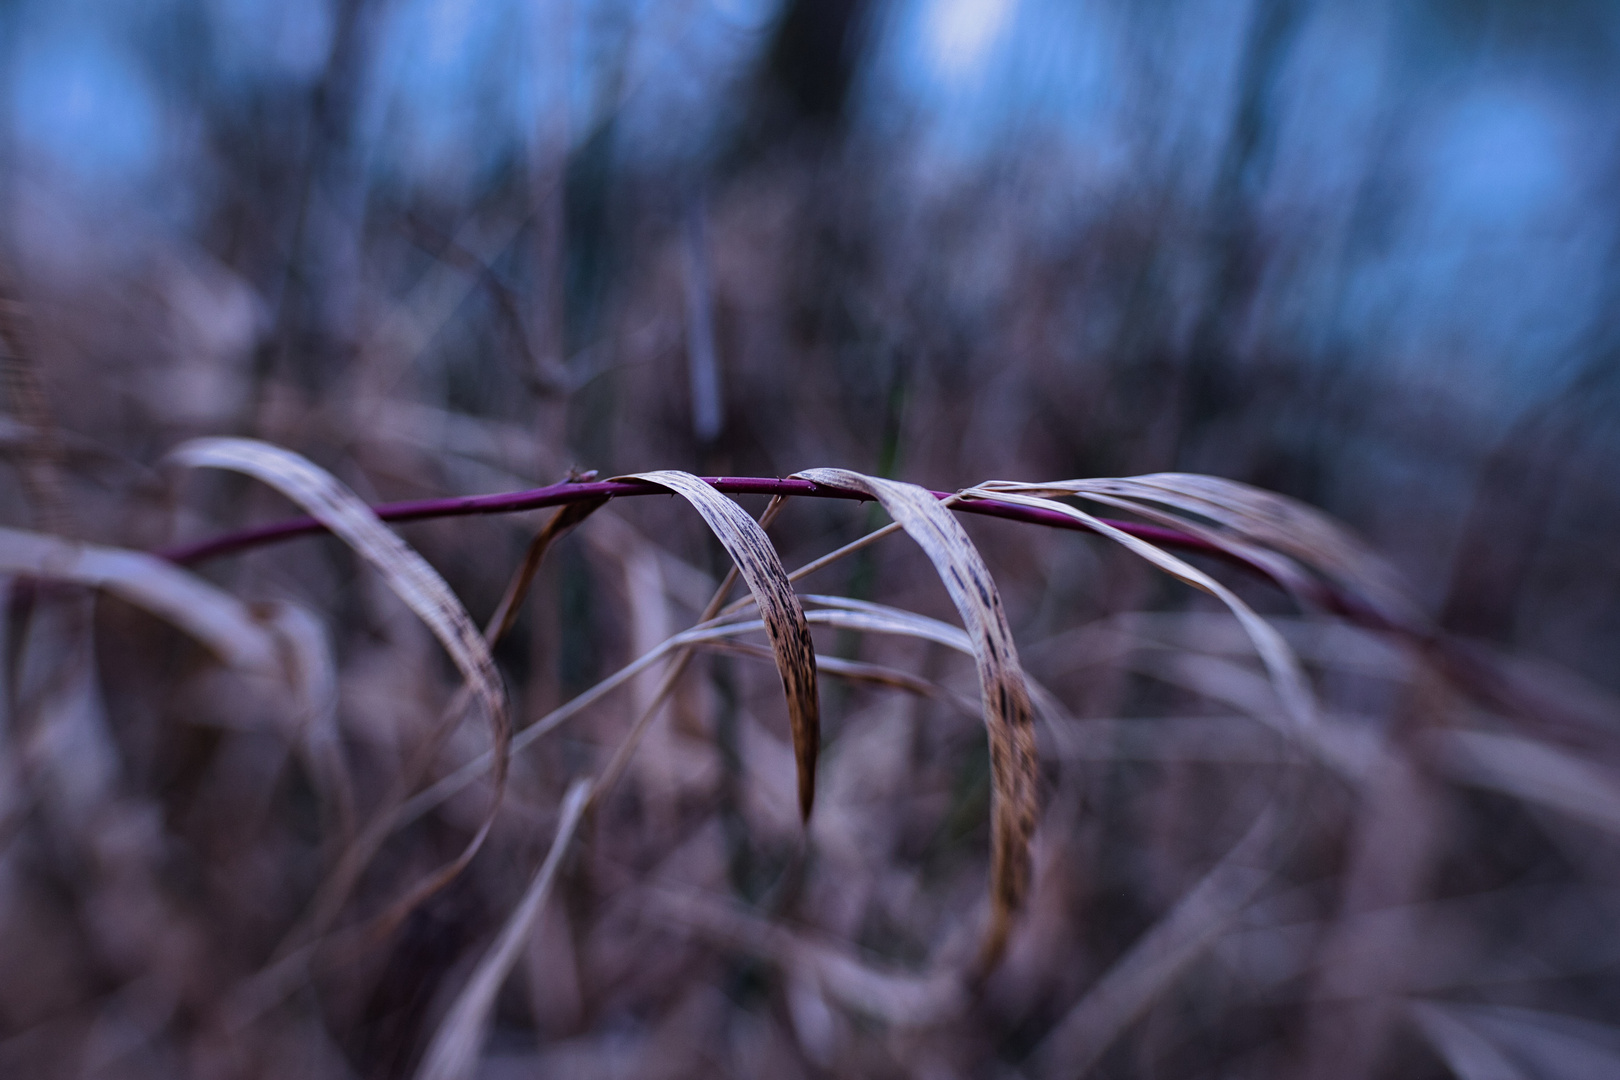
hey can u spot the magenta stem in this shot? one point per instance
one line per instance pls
(567, 492)
(1333, 599)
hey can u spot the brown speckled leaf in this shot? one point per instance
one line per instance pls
(1013, 767)
(745, 541)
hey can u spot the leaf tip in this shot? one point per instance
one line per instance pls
(807, 790)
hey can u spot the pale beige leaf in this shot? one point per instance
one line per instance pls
(421, 588)
(1467, 1053)
(1549, 1043)
(1287, 538)
(1534, 771)
(312, 672)
(645, 582)
(331, 502)
(212, 616)
(857, 671)
(1004, 691)
(1281, 663)
(745, 541)
(454, 1051)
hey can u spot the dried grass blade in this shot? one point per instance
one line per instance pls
(857, 671)
(1005, 693)
(1281, 664)
(330, 501)
(556, 527)
(454, 1050)
(849, 614)
(1467, 1053)
(359, 855)
(666, 685)
(756, 559)
(210, 615)
(1279, 534)
(307, 657)
(1130, 986)
(1535, 772)
(1549, 1043)
(325, 498)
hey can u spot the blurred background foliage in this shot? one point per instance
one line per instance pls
(1366, 254)
(1361, 253)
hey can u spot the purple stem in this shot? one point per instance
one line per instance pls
(567, 492)
(1325, 594)
(1466, 668)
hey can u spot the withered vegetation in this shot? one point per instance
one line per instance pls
(298, 848)
(1307, 767)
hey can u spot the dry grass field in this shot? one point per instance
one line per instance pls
(1078, 670)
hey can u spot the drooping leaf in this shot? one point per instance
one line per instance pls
(1003, 689)
(453, 1053)
(215, 618)
(756, 559)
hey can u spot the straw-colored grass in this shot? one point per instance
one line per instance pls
(602, 886)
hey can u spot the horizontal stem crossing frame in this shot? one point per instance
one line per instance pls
(571, 491)
(574, 491)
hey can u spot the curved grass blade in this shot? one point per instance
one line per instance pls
(1467, 1053)
(1281, 664)
(327, 499)
(359, 854)
(654, 702)
(863, 617)
(556, 527)
(858, 672)
(745, 541)
(213, 617)
(883, 619)
(324, 497)
(307, 656)
(454, 1050)
(1003, 688)
(1284, 537)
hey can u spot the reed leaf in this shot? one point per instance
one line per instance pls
(1004, 692)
